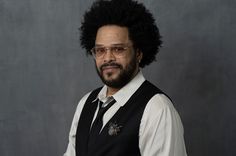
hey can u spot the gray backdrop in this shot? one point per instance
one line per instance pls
(44, 72)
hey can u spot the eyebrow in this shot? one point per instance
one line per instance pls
(116, 44)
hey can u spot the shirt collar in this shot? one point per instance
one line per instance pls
(123, 95)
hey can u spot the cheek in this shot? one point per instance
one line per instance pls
(97, 66)
(129, 61)
(98, 63)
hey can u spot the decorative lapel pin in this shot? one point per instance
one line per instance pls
(114, 129)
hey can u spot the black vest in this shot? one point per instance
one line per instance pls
(126, 120)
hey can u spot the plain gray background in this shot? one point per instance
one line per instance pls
(44, 72)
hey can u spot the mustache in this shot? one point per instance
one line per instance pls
(110, 64)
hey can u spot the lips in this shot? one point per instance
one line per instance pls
(109, 67)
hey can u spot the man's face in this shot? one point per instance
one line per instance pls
(116, 71)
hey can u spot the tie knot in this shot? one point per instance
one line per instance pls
(103, 107)
(108, 101)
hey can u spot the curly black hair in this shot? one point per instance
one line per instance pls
(141, 25)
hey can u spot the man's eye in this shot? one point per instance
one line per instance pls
(118, 49)
(100, 50)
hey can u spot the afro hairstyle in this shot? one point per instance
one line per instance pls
(141, 25)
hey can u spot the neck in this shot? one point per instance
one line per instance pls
(111, 91)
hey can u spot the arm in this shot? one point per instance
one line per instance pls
(72, 135)
(161, 130)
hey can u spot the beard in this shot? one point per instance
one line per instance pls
(125, 75)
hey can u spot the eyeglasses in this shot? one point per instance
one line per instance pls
(118, 51)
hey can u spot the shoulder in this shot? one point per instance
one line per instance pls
(161, 103)
(84, 98)
(161, 108)
(161, 128)
(92, 94)
(89, 96)
(77, 115)
(157, 105)
(82, 102)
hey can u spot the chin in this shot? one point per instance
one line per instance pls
(111, 76)
(110, 79)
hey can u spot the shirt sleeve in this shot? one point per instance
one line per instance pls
(161, 130)
(70, 151)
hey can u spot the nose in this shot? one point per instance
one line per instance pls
(108, 57)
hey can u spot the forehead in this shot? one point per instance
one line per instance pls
(112, 34)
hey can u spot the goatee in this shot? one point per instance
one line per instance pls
(124, 77)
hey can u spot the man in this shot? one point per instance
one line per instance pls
(128, 116)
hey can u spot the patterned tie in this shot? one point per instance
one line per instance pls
(98, 123)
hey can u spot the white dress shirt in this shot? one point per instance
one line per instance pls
(161, 130)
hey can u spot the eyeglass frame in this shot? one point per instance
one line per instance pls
(113, 51)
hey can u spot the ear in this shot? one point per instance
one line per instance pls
(139, 55)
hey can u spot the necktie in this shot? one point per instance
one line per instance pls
(97, 124)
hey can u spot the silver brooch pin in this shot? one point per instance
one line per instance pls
(114, 129)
